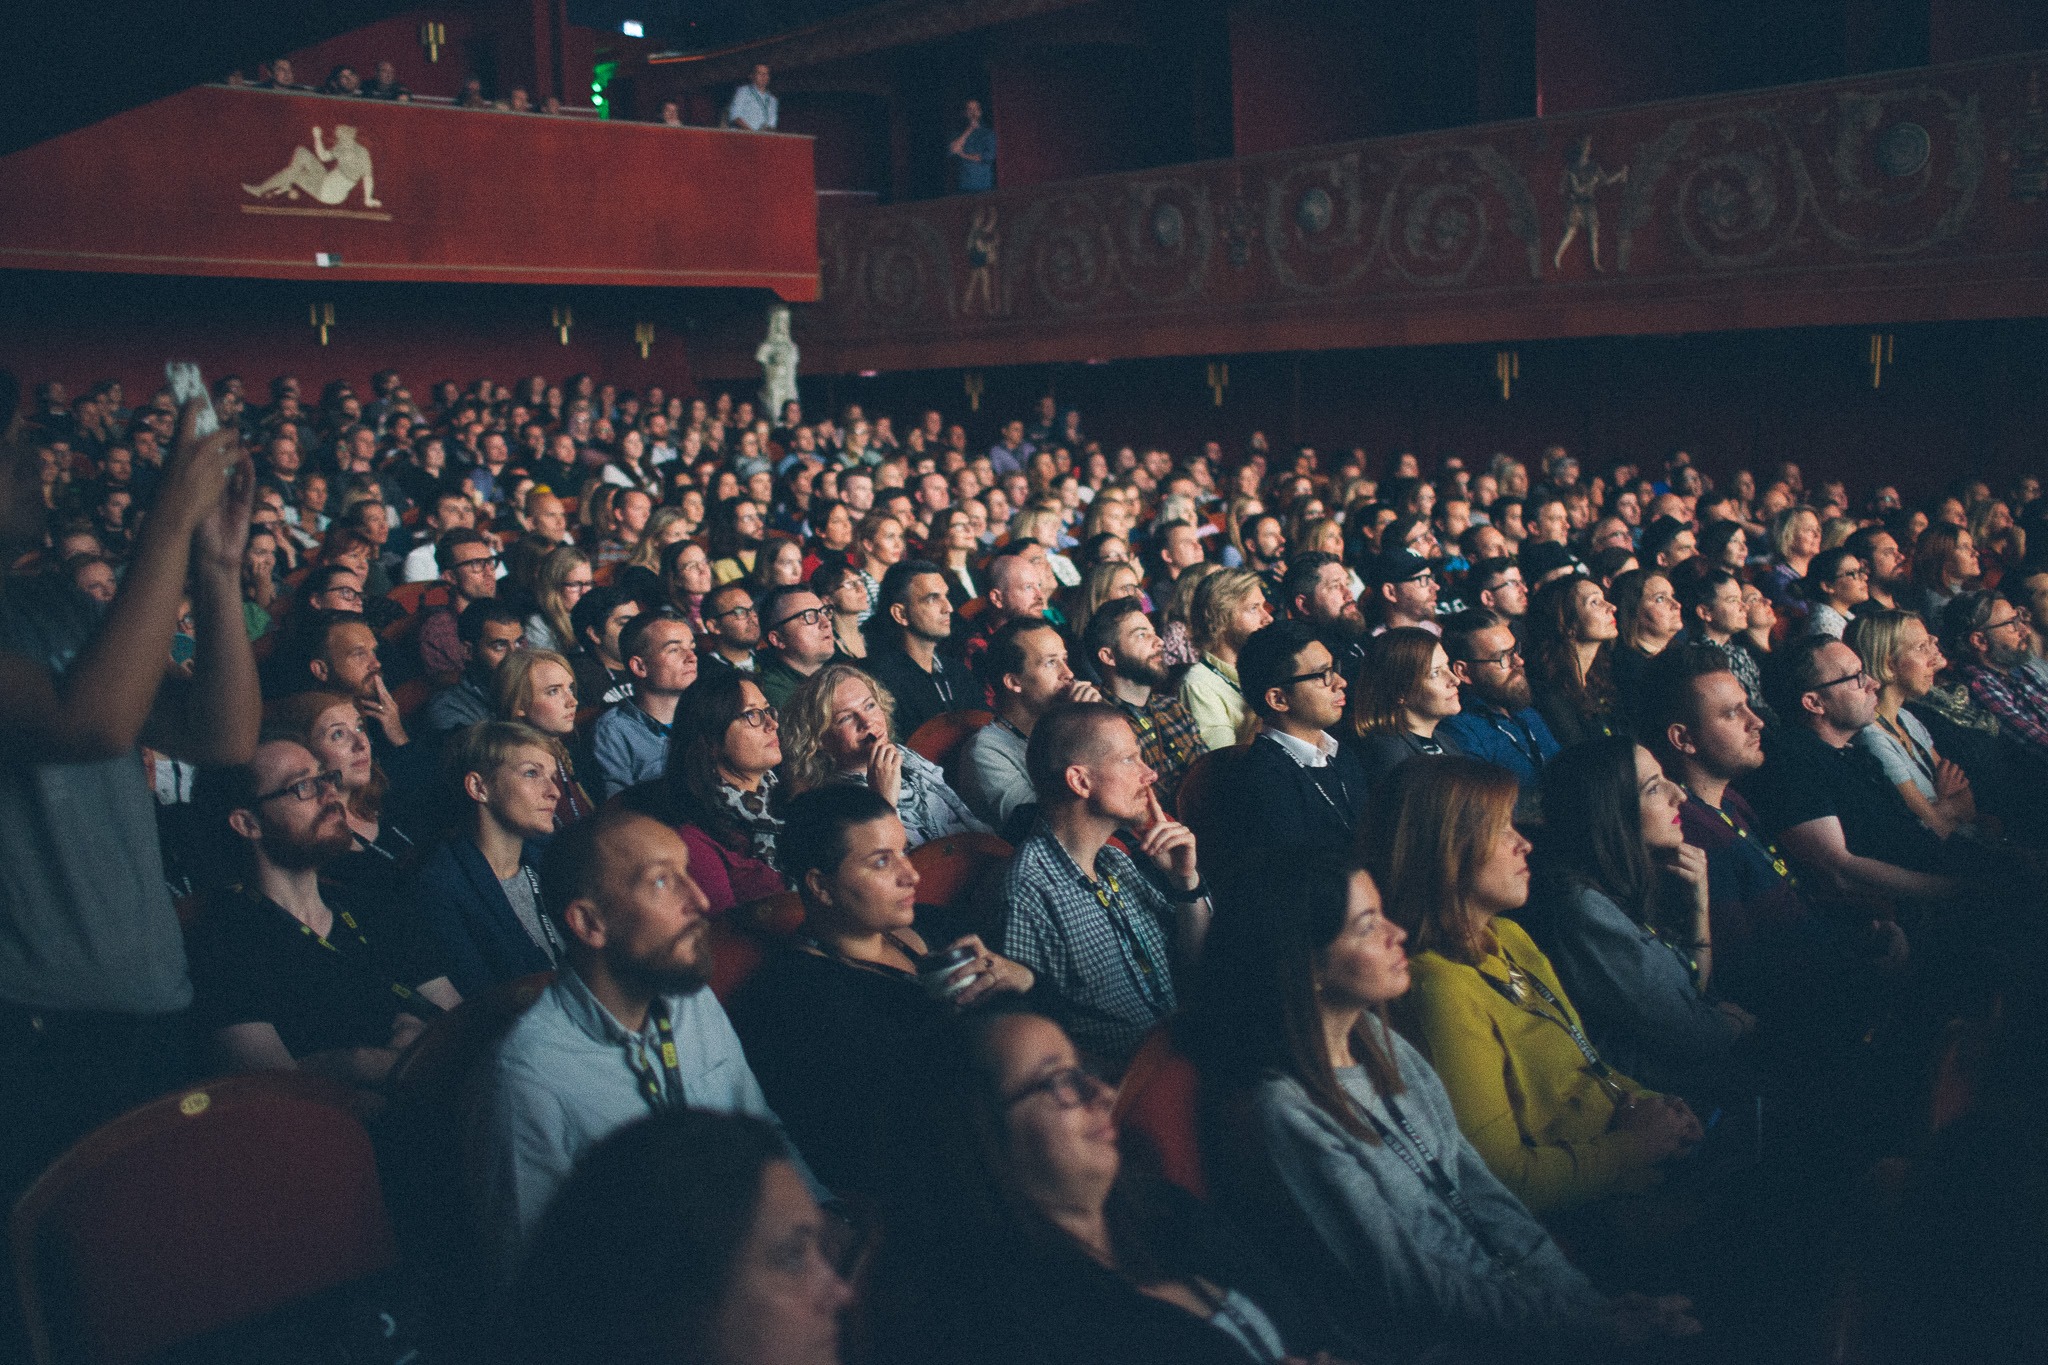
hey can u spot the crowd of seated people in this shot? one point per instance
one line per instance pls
(347, 82)
(1556, 887)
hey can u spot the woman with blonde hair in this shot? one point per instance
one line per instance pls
(537, 687)
(667, 526)
(564, 576)
(1229, 607)
(1242, 510)
(1560, 1127)
(1795, 540)
(1109, 581)
(1904, 660)
(1045, 526)
(1325, 535)
(835, 728)
(1404, 691)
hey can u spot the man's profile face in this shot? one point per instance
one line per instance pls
(1139, 653)
(1496, 671)
(1728, 735)
(656, 936)
(293, 833)
(1120, 778)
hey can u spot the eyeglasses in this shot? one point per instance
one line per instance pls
(1328, 677)
(2020, 617)
(759, 717)
(743, 609)
(1501, 660)
(1858, 678)
(346, 593)
(1070, 1088)
(482, 562)
(810, 616)
(306, 788)
(1852, 573)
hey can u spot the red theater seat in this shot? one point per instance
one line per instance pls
(1157, 1100)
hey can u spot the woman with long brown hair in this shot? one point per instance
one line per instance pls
(1559, 1126)
(1572, 632)
(1404, 690)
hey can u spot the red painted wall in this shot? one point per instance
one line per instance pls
(77, 328)
(1602, 54)
(1064, 113)
(1297, 78)
(464, 195)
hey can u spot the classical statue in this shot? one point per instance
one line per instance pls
(777, 355)
(310, 172)
(984, 242)
(1583, 179)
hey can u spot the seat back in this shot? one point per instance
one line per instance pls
(955, 875)
(1157, 1101)
(1199, 803)
(741, 937)
(940, 738)
(199, 1210)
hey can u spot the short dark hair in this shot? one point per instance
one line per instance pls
(770, 604)
(1106, 624)
(1795, 669)
(588, 616)
(1699, 590)
(1657, 536)
(1302, 572)
(635, 631)
(1268, 658)
(450, 542)
(1064, 736)
(1666, 695)
(814, 826)
(469, 625)
(1484, 570)
(1005, 653)
(1460, 627)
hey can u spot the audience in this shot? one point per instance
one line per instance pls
(683, 568)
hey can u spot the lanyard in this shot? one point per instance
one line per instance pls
(942, 684)
(414, 1002)
(1256, 1343)
(1764, 846)
(540, 913)
(1533, 753)
(374, 846)
(1109, 895)
(1429, 1169)
(650, 1084)
(1224, 676)
(1515, 991)
(1921, 758)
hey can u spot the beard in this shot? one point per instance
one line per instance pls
(1343, 629)
(1512, 695)
(311, 853)
(2008, 656)
(1140, 670)
(683, 967)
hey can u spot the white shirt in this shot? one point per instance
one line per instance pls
(752, 109)
(1316, 755)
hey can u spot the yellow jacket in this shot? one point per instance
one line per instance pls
(1211, 694)
(1521, 1088)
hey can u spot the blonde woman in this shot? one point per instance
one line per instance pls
(1325, 535)
(1242, 510)
(537, 687)
(1045, 526)
(1229, 606)
(835, 728)
(1106, 582)
(667, 526)
(1178, 630)
(1904, 660)
(564, 576)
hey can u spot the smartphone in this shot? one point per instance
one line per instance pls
(186, 384)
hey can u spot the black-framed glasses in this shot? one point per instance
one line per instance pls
(306, 788)
(1858, 678)
(810, 616)
(742, 609)
(2020, 617)
(1070, 1088)
(346, 593)
(491, 561)
(1852, 573)
(759, 717)
(1501, 659)
(1328, 677)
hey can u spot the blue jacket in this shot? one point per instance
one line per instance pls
(1521, 743)
(456, 897)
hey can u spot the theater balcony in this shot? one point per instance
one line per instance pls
(1915, 195)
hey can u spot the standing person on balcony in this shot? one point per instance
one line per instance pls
(753, 108)
(973, 154)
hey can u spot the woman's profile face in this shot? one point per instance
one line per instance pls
(783, 1301)
(1365, 965)
(1917, 660)
(749, 750)
(787, 568)
(874, 889)
(857, 725)
(1500, 881)
(1593, 614)
(552, 709)
(1658, 799)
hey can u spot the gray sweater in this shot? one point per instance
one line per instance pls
(1410, 1254)
(1635, 995)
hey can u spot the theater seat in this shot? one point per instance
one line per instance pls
(940, 738)
(411, 695)
(1157, 1102)
(1197, 804)
(203, 1209)
(741, 937)
(418, 597)
(953, 876)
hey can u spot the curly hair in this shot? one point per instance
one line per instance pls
(1217, 601)
(808, 714)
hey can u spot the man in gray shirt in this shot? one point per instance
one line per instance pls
(629, 1027)
(93, 984)
(1027, 671)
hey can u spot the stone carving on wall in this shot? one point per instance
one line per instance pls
(777, 357)
(1168, 233)
(984, 257)
(2026, 149)
(326, 175)
(1580, 185)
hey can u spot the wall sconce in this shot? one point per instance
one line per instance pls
(433, 37)
(972, 381)
(1219, 379)
(1507, 368)
(1880, 356)
(562, 319)
(643, 337)
(321, 317)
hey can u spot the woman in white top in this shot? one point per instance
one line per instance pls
(1904, 660)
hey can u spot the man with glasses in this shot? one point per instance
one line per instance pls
(797, 638)
(1823, 798)
(630, 741)
(287, 978)
(732, 629)
(1497, 720)
(1991, 640)
(469, 566)
(1293, 784)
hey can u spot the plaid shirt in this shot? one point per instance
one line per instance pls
(2016, 696)
(1168, 739)
(1105, 966)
